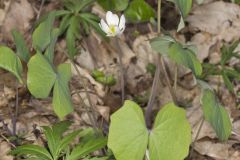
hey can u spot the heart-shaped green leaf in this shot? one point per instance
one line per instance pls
(171, 134)
(128, 135)
(41, 76)
(62, 102)
(139, 11)
(216, 115)
(10, 62)
(184, 6)
(186, 57)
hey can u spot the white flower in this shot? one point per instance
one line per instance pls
(113, 27)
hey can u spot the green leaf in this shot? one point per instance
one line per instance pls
(216, 115)
(128, 135)
(114, 5)
(10, 62)
(49, 53)
(65, 21)
(139, 11)
(161, 44)
(22, 50)
(52, 139)
(186, 57)
(72, 35)
(184, 6)
(227, 82)
(32, 150)
(42, 34)
(67, 140)
(88, 144)
(171, 134)
(62, 102)
(61, 127)
(40, 76)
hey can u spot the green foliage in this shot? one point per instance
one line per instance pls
(129, 137)
(62, 101)
(22, 50)
(107, 80)
(139, 11)
(171, 130)
(151, 68)
(183, 55)
(59, 145)
(42, 77)
(42, 34)
(184, 7)
(10, 62)
(186, 57)
(216, 115)
(228, 73)
(115, 5)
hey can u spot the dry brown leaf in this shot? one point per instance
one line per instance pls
(18, 17)
(5, 148)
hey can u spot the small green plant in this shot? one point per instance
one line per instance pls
(228, 73)
(58, 144)
(107, 80)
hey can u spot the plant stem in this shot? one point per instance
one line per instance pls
(195, 139)
(92, 118)
(175, 78)
(120, 54)
(14, 118)
(174, 98)
(153, 94)
(156, 77)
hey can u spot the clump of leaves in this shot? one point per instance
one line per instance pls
(59, 144)
(107, 80)
(228, 74)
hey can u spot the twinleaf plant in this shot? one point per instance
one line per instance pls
(129, 137)
(58, 144)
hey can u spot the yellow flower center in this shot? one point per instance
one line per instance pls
(112, 29)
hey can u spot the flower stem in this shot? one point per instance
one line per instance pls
(120, 54)
(156, 77)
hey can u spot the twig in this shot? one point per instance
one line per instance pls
(14, 118)
(7, 140)
(40, 9)
(195, 139)
(120, 54)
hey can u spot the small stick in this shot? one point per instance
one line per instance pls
(120, 54)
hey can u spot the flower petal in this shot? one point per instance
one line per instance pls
(104, 26)
(122, 23)
(112, 19)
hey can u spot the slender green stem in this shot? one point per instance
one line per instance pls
(156, 77)
(197, 135)
(174, 98)
(122, 75)
(175, 78)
